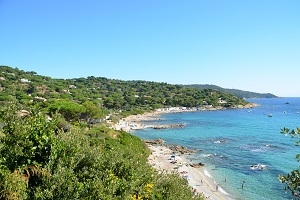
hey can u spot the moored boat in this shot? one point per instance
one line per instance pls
(258, 167)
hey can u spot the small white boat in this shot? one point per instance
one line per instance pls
(258, 167)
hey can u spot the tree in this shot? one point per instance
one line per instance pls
(109, 102)
(292, 179)
(69, 109)
(91, 112)
(31, 88)
(26, 145)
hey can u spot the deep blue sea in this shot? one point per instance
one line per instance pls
(230, 141)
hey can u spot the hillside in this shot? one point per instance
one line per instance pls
(236, 92)
(37, 161)
(108, 94)
(52, 146)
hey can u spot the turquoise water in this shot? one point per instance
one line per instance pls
(230, 141)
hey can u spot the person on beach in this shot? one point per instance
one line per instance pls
(217, 188)
(195, 191)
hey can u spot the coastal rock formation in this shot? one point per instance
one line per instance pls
(197, 165)
(248, 105)
(155, 142)
(181, 149)
(168, 126)
(176, 149)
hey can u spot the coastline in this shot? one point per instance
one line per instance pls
(135, 122)
(198, 178)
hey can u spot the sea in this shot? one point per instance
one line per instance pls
(232, 142)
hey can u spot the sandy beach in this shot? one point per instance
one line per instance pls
(135, 122)
(198, 178)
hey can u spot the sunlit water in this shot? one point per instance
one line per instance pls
(230, 141)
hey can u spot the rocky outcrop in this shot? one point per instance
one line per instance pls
(155, 142)
(181, 149)
(248, 105)
(176, 149)
(168, 126)
(197, 165)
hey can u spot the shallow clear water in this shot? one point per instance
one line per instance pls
(230, 141)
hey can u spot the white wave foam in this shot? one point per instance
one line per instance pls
(207, 173)
(223, 191)
(206, 155)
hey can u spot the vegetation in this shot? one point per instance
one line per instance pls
(53, 146)
(238, 93)
(292, 179)
(129, 97)
(37, 161)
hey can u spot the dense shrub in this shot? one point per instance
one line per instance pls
(39, 162)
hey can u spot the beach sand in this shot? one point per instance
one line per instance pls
(135, 122)
(198, 178)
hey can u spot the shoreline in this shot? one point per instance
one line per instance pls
(198, 178)
(134, 122)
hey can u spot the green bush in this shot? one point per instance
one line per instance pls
(39, 162)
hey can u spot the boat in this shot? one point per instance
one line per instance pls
(258, 167)
(270, 115)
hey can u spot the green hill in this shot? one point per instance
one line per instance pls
(53, 148)
(236, 92)
(109, 94)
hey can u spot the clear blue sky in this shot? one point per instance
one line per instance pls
(251, 45)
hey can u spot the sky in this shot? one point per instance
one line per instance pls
(252, 45)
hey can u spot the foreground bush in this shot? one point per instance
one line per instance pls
(39, 162)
